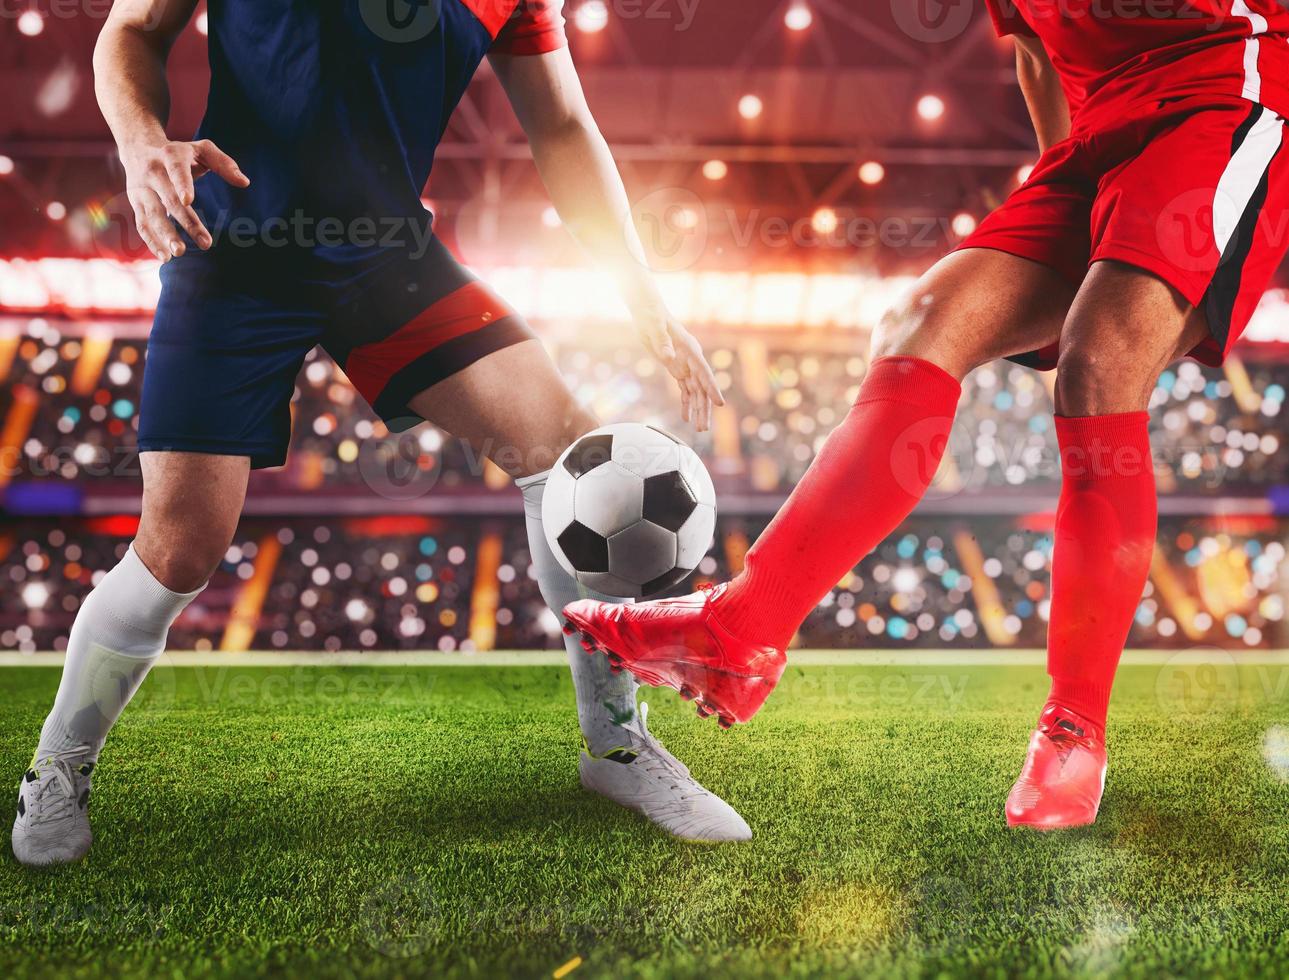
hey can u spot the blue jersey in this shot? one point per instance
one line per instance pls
(334, 108)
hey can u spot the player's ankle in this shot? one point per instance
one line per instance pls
(746, 609)
(1088, 701)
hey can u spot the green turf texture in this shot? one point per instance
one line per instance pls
(429, 822)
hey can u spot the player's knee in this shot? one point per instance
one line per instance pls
(181, 562)
(1090, 382)
(916, 327)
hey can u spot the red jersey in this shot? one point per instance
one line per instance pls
(1123, 58)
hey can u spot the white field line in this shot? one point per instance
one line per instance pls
(548, 658)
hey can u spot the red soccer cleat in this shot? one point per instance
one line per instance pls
(1064, 774)
(680, 643)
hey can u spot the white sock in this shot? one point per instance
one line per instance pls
(119, 633)
(605, 701)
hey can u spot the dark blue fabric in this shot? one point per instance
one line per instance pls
(231, 332)
(333, 108)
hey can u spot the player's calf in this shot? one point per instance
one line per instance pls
(119, 633)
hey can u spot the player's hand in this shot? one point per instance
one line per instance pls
(683, 358)
(159, 183)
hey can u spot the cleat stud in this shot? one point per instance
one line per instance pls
(567, 628)
(725, 722)
(687, 694)
(704, 711)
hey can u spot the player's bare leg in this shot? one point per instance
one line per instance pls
(1124, 328)
(191, 504)
(514, 407)
(725, 647)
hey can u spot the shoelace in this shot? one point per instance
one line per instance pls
(47, 806)
(1065, 742)
(655, 756)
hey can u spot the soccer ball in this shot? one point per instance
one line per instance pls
(629, 510)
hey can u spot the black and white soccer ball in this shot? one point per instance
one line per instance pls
(629, 510)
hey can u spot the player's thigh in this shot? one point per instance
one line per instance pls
(1125, 326)
(974, 306)
(511, 405)
(191, 506)
(229, 336)
(421, 337)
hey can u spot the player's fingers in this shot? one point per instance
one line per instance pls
(703, 407)
(183, 215)
(684, 401)
(154, 226)
(172, 198)
(161, 186)
(695, 407)
(191, 223)
(157, 248)
(218, 162)
(705, 375)
(179, 164)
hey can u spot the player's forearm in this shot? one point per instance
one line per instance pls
(1048, 108)
(584, 185)
(130, 82)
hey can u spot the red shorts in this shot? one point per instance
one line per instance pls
(1197, 194)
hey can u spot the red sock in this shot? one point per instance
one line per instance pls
(868, 477)
(1105, 536)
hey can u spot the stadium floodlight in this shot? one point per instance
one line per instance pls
(591, 16)
(871, 172)
(798, 17)
(931, 107)
(750, 106)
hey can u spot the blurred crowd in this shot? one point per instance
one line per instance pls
(1214, 429)
(465, 584)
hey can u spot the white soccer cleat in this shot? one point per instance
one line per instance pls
(645, 777)
(53, 824)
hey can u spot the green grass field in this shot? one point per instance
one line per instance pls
(406, 821)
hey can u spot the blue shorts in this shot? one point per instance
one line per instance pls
(233, 327)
